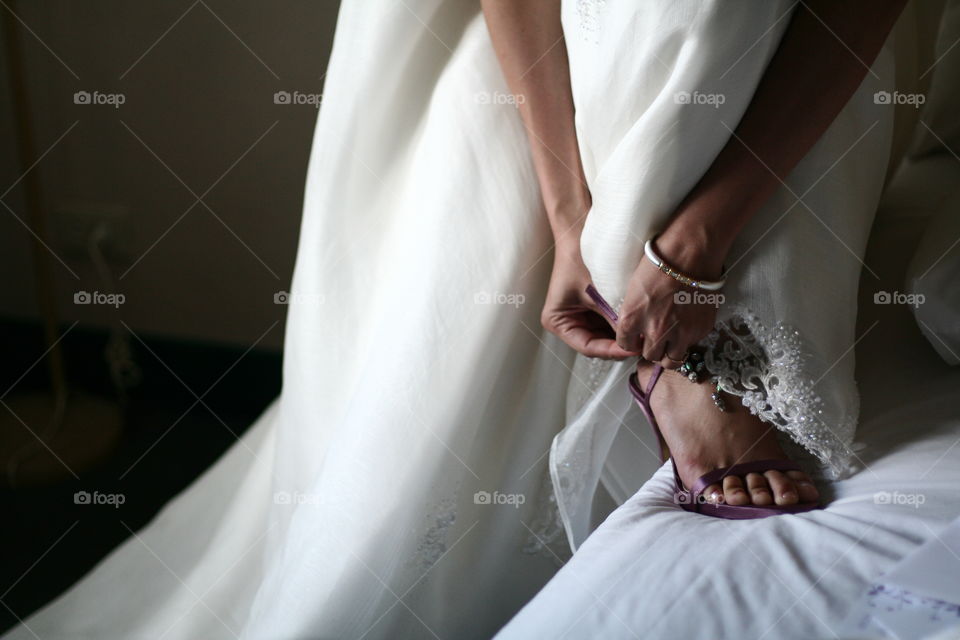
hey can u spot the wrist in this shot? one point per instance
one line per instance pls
(567, 223)
(567, 247)
(705, 225)
(692, 250)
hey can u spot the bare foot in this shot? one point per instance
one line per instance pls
(701, 438)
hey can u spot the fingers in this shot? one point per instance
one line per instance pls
(593, 345)
(591, 304)
(672, 357)
(657, 342)
(599, 344)
(630, 336)
(586, 332)
(654, 349)
(665, 345)
(668, 351)
(606, 348)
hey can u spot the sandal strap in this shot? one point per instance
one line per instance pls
(657, 370)
(604, 306)
(742, 469)
(639, 395)
(643, 397)
(644, 401)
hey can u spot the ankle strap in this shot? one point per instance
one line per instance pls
(657, 370)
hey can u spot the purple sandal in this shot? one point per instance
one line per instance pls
(692, 499)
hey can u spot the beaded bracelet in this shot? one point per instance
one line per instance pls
(706, 285)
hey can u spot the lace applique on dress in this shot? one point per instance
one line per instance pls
(433, 542)
(548, 537)
(588, 374)
(765, 366)
(588, 11)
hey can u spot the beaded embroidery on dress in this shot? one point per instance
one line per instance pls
(433, 542)
(766, 368)
(589, 13)
(548, 536)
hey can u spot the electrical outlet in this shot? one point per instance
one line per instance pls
(80, 223)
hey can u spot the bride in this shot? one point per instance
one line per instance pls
(455, 413)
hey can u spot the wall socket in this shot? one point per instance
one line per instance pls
(75, 223)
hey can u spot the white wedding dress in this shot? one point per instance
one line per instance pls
(435, 454)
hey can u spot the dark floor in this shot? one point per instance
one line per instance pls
(47, 540)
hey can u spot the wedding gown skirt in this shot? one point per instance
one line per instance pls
(402, 485)
(659, 87)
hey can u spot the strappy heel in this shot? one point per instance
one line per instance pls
(643, 401)
(692, 499)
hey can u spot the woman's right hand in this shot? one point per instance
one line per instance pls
(571, 314)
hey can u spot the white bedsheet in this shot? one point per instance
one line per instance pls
(654, 571)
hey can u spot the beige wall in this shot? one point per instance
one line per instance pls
(198, 96)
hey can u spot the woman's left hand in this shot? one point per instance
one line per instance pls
(662, 318)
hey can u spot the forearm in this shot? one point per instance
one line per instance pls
(528, 39)
(808, 81)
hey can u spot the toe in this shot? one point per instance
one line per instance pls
(759, 490)
(713, 494)
(784, 489)
(805, 487)
(733, 491)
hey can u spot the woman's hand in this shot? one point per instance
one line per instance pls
(571, 314)
(662, 318)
